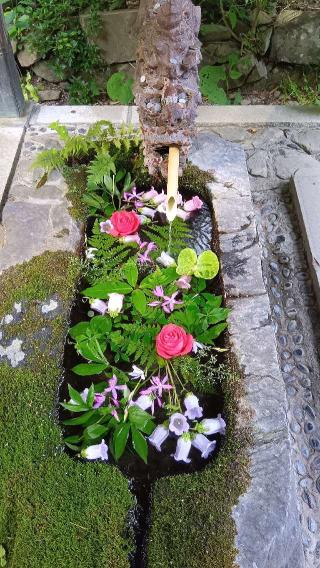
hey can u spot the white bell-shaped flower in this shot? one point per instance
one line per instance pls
(96, 452)
(158, 436)
(191, 403)
(213, 425)
(183, 448)
(205, 446)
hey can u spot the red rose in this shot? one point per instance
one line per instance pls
(173, 341)
(124, 223)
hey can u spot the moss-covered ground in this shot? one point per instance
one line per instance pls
(54, 511)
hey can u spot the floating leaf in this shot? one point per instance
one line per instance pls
(207, 265)
(187, 261)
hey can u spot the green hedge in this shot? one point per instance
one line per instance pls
(54, 511)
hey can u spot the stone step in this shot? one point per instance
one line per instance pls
(306, 190)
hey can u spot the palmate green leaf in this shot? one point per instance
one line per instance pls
(139, 443)
(103, 289)
(139, 301)
(212, 333)
(88, 369)
(120, 438)
(217, 314)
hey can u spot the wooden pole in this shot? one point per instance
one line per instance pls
(11, 98)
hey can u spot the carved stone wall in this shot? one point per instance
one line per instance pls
(166, 87)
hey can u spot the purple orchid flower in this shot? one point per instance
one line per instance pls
(144, 258)
(157, 387)
(99, 399)
(167, 302)
(133, 198)
(113, 388)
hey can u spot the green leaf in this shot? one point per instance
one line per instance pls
(72, 439)
(96, 431)
(119, 88)
(207, 265)
(89, 350)
(130, 272)
(76, 396)
(187, 261)
(74, 407)
(212, 333)
(139, 444)
(159, 278)
(101, 325)
(217, 314)
(140, 418)
(139, 301)
(103, 289)
(120, 438)
(80, 419)
(233, 17)
(79, 330)
(88, 369)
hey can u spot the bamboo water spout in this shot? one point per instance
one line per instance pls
(173, 182)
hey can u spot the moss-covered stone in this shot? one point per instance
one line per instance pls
(54, 511)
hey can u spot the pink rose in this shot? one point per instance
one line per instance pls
(123, 223)
(173, 341)
(193, 204)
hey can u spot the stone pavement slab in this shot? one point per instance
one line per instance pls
(10, 140)
(306, 189)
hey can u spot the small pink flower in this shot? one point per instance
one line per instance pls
(144, 257)
(148, 195)
(99, 399)
(184, 215)
(184, 282)
(193, 204)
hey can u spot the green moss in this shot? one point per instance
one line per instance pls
(54, 511)
(76, 179)
(192, 524)
(195, 180)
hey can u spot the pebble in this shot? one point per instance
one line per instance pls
(318, 484)
(309, 499)
(8, 319)
(300, 467)
(317, 551)
(282, 340)
(314, 443)
(291, 391)
(295, 427)
(275, 292)
(303, 368)
(298, 352)
(286, 355)
(277, 310)
(284, 259)
(292, 325)
(286, 368)
(302, 276)
(286, 272)
(312, 525)
(309, 410)
(291, 313)
(297, 339)
(288, 285)
(274, 266)
(305, 452)
(315, 464)
(306, 482)
(305, 382)
(289, 302)
(275, 278)
(281, 239)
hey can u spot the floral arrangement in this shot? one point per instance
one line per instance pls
(150, 307)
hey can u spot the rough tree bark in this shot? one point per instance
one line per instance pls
(166, 85)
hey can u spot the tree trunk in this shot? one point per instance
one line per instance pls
(166, 83)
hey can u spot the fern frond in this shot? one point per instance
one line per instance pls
(60, 130)
(101, 166)
(49, 160)
(160, 234)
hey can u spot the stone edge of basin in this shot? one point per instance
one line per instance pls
(266, 516)
(305, 185)
(255, 115)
